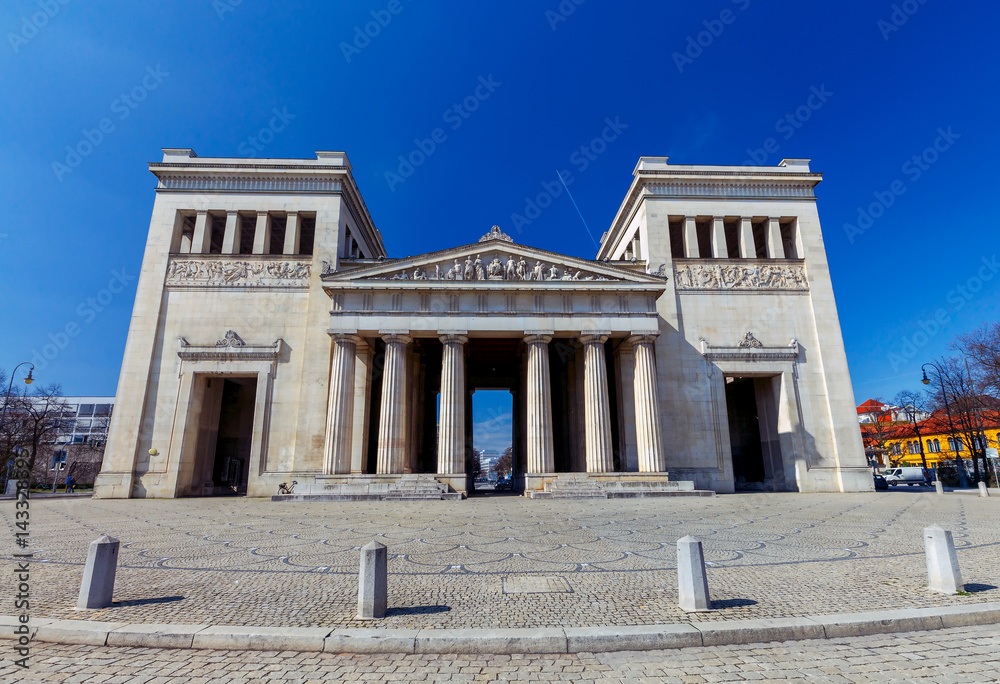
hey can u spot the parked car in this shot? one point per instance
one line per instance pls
(503, 484)
(909, 475)
(880, 482)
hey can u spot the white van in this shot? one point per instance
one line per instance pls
(912, 475)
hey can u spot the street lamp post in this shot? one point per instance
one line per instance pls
(963, 480)
(6, 400)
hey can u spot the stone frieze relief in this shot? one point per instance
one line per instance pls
(745, 275)
(237, 272)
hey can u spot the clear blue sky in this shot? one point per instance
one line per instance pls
(194, 74)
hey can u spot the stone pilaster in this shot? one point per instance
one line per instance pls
(391, 451)
(202, 240)
(262, 234)
(648, 428)
(597, 412)
(340, 407)
(451, 431)
(719, 248)
(231, 238)
(541, 453)
(292, 233)
(748, 249)
(691, 250)
(775, 247)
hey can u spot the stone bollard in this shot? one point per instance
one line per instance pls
(99, 574)
(938, 486)
(692, 582)
(372, 584)
(983, 491)
(943, 573)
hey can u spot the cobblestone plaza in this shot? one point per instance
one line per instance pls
(507, 561)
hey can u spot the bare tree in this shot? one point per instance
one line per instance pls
(914, 405)
(39, 417)
(505, 464)
(982, 347)
(958, 395)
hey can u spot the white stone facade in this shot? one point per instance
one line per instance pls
(272, 340)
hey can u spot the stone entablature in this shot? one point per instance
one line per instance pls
(230, 348)
(727, 275)
(238, 271)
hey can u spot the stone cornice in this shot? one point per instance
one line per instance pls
(227, 349)
(750, 353)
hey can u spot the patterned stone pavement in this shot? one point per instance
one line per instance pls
(967, 654)
(481, 562)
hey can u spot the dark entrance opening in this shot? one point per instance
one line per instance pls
(492, 414)
(751, 404)
(229, 404)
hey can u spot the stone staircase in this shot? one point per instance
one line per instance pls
(371, 488)
(615, 486)
(419, 487)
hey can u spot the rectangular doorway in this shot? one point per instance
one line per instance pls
(225, 436)
(751, 404)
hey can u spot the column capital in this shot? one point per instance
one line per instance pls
(347, 337)
(396, 337)
(594, 338)
(643, 338)
(537, 338)
(451, 338)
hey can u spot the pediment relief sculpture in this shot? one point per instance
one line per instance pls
(493, 266)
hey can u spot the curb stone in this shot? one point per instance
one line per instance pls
(505, 641)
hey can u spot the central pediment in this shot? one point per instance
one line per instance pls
(495, 261)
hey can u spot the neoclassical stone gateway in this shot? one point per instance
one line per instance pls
(273, 340)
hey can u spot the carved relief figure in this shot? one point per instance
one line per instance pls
(553, 273)
(495, 269)
(469, 273)
(480, 273)
(538, 272)
(510, 269)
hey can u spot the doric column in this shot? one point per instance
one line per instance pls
(391, 451)
(648, 429)
(340, 407)
(691, 238)
(451, 430)
(597, 412)
(748, 250)
(775, 247)
(231, 238)
(262, 235)
(719, 249)
(291, 245)
(202, 241)
(541, 454)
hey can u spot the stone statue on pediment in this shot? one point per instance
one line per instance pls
(522, 270)
(538, 272)
(469, 273)
(480, 271)
(495, 269)
(553, 273)
(511, 266)
(419, 274)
